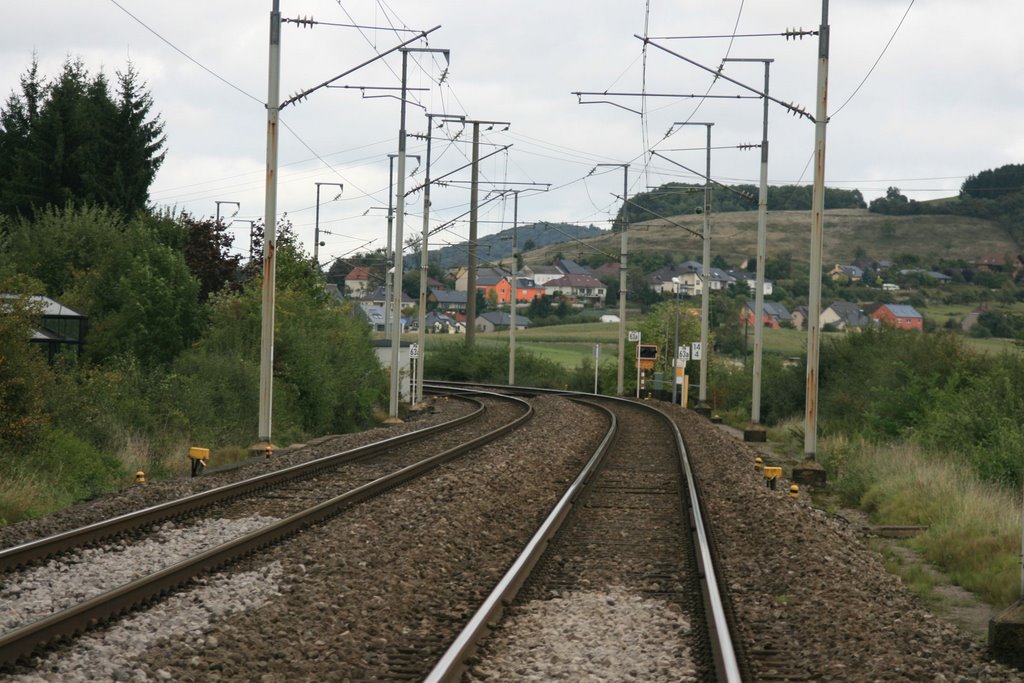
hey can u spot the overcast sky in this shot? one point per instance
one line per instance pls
(945, 100)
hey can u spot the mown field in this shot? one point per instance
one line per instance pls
(568, 345)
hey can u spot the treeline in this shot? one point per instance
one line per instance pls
(162, 367)
(171, 351)
(996, 195)
(76, 138)
(675, 199)
(890, 385)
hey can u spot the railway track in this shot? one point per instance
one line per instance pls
(394, 461)
(621, 568)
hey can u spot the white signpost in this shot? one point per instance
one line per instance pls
(634, 336)
(414, 355)
(682, 355)
(597, 363)
(696, 351)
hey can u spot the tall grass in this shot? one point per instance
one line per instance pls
(973, 526)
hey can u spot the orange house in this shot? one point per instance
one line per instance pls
(901, 316)
(526, 290)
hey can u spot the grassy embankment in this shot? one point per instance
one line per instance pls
(974, 532)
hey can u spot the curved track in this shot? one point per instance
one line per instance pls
(24, 640)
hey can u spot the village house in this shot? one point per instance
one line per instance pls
(775, 315)
(578, 289)
(846, 273)
(447, 301)
(901, 316)
(542, 275)
(357, 282)
(691, 282)
(436, 322)
(844, 315)
(751, 281)
(499, 321)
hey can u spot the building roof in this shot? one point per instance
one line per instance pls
(443, 296)
(503, 319)
(903, 310)
(358, 273)
(575, 280)
(774, 309)
(49, 306)
(850, 313)
(570, 267)
(377, 294)
(488, 280)
(544, 270)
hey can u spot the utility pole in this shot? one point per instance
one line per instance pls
(705, 306)
(809, 471)
(396, 328)
(270, 230)
(421, 332)
(316, 228)
(756, 432)
(387, 250)
(515, 293)
(474, 197)
(620, 374)
(274, 106)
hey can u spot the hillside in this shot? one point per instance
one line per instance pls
(847, 232)
(498, 247)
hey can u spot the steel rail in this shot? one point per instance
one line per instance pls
(726, 660)
(22, 642)
(452, 664)
(32, 551)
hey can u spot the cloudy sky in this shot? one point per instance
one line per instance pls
(921, 95)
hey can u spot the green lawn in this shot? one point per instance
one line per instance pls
(568, 345)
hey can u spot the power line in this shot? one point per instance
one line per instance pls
(186, 55)
(872, 69)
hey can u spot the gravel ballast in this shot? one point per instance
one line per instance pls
(809, 596)
(379, 591)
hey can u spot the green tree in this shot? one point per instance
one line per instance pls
(72, 141)
(137, 291)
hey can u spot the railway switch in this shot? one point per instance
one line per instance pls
(199, 456)
(772, 474)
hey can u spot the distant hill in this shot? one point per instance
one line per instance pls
(847, 232)
(498, 247)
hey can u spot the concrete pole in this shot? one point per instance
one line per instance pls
(387, 249)
(270, 229)
(396, 328)
(817, 236)
(762, 240)
(421, 316)
(474, 196)
(623, 285)
(705, 298)
(316, 229)
(512, 308)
